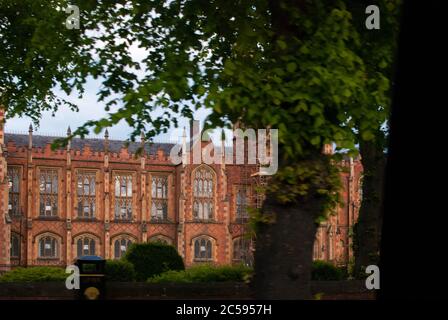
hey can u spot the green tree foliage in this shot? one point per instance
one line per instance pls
(35, 274)
(305, 67)
(120, 270)
(323, 270)
(204, 273)
(150, 259)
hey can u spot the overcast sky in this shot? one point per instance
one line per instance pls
(90, 109)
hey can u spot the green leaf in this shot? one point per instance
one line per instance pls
(291, 67)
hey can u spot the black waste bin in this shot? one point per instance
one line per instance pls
(92, 277)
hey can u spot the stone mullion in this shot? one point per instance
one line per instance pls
(29, 213)
(144, 205)
(170, 200)
(107, 200)
(69, 214)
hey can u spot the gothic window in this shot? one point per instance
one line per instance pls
(159, 198)
(120, 247)
(48, 188)
(48, 247)
(85, 247)
(203, 192)
(241, 203)
(15, 246)
(86, 194)
(241, 250)
(203, 249)
(14, 191)
(123, 197)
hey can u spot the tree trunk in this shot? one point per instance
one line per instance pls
(367, 230)
(285, 240)
(283, 254)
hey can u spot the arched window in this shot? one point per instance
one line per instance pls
(123, 197)
(15, 246)
(48, 192)
(241, 203)
(48, 247)
(241, 251)
(121, 246)
(85, 246)
(203, 249)
(203, 192)
(14, 190)
(159, 198)
(86, 194)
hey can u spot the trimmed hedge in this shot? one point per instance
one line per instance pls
(323, 270)
(151, 259)
(119, 270)
(204, 273)
(35, 274)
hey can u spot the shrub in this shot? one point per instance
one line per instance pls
(323, 270)
(205, 273)
(35, 274)
(150, 259)
(119, 270)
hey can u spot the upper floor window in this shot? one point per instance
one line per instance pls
(86, 194)
(203, 249)
(15, 246)
(48, 192)
(203, 192)
(14, 190)
(123, 197)
(48, 247)
(241, 203)
(121, 246)
(85, 246)
(159, 198)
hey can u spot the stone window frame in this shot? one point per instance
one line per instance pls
(129, 240)
(15, 194)
(240, 239)
(59, 209)
(164, 200)
(236, 191)
(214, 249)
(131, 198)
(18, 239)
(92, 199)
(58, 246)
(196, 199)
(86, 235)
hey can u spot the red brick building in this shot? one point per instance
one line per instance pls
(98, 197)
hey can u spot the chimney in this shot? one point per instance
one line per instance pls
(106, 141)
(30, 137)
(69, 133)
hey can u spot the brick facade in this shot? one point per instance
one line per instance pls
(55, 217)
